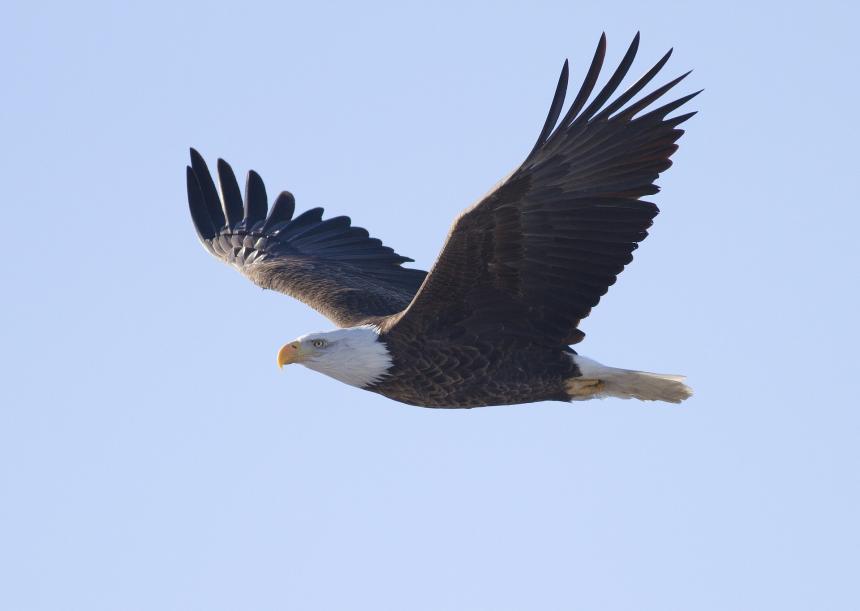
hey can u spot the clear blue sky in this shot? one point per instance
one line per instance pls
(152, 456)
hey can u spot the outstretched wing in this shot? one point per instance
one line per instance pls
(535, 255)
(331, 266)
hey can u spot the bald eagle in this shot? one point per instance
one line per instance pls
(493, 321)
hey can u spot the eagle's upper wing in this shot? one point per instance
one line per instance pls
(536, 254)
(336, 269)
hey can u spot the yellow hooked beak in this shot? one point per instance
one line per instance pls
(289, 354)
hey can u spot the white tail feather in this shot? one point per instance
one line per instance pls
(599, 381)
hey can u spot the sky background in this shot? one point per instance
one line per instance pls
(152, 456)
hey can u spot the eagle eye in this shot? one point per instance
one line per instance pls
(318, 343)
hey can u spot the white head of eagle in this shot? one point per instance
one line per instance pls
(354, 356)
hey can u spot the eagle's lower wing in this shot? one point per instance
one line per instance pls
(536, 254)
(336, 269)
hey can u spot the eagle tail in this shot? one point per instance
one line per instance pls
(598, 381)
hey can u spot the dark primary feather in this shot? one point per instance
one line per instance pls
(534, 256)
(231, 197)
(328, 264)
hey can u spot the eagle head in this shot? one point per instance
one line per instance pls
(355, 356)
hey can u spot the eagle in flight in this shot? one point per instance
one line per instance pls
(493, 320)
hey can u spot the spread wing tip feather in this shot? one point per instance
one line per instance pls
(196, 204)
(256, 201)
